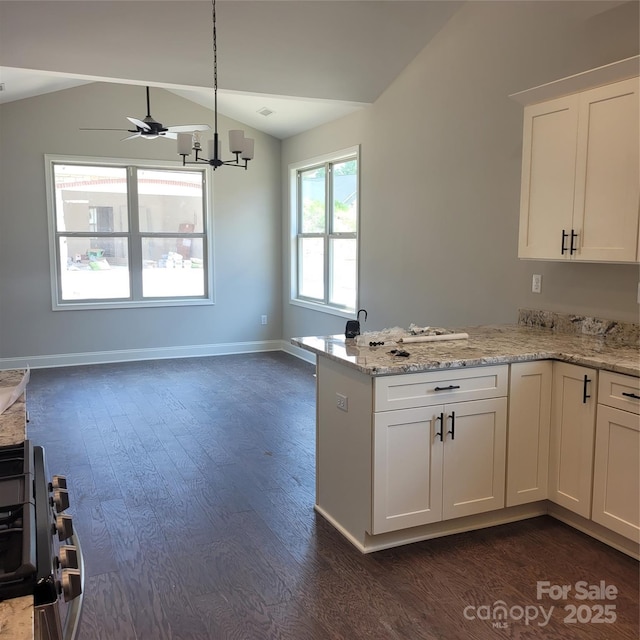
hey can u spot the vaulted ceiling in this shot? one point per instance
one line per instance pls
(308, 61)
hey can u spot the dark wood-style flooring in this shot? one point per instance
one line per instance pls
(192, 489)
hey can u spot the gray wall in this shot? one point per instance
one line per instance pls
(247, 228)
(440, 162)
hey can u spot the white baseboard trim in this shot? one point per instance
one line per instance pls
(296, 351)
(131, 355)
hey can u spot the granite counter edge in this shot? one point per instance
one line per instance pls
(436, 365)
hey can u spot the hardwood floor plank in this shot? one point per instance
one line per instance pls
(105, 613)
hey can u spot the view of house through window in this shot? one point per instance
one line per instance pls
(326, 231)
(129, 234)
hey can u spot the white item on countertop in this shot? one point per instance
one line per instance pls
(434, 338)
(415, 330)
(385, 335)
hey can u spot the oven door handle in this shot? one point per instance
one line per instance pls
(74, 612)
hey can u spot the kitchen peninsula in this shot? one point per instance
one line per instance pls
(513, 422)
(16, 614)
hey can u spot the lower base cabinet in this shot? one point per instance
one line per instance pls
(529, 421)
(573, 418)
(616, 471)
(394, 466)
(438, 462)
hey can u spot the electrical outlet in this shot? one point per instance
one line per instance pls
(263, 319)
(342, 402)
(536, 283)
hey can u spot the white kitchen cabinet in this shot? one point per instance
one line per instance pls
(616, 473)
(529, 422)
(474, 457)
(407, 468)
(438, 461)
(573, 412)
(580, 189)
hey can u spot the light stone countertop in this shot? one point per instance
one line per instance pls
(16, 615)
(486, 345)
(16, 619)
(13, 423)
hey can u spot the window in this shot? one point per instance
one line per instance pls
(127, 234)
(324, 205)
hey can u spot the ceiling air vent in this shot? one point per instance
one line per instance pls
(265, 111)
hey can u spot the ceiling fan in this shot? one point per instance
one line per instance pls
(149, 128)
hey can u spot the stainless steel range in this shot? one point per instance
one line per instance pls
(39, 553)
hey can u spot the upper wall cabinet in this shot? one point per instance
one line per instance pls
(581, 174)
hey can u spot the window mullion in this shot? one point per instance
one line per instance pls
(135, 241)
(299, 254)
(328, 231)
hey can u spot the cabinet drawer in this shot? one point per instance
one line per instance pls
(434, 387)
(619, 391)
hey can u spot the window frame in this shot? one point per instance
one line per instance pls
(133, 234)
(295, 171)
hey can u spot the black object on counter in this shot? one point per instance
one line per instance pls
(353, 326)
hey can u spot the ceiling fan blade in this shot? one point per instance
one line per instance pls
(188, 128)
(169, 134)
(138, 123)
(98, 129)
(135, 135)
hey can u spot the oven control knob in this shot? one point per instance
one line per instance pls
(68, 557)
(60, 500)
(63, 526)
(71, 584)
(58, 482)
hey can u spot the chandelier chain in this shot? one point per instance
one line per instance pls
(241, 147)
(215, 67)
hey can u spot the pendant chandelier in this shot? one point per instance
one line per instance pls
(240, 147)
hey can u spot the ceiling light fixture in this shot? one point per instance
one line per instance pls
(240, 146)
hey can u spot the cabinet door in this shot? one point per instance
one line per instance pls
(407, 468)
(474, 457)
(548, 177)
(528, 431)
(608, 173)
(572, 434)
(616, 472)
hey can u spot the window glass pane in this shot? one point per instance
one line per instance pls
(345, 196)
(312, 198)
(90, 199)
(172, 267)
(170, 201)
(311, 268)
(94, 268)
(343, 272)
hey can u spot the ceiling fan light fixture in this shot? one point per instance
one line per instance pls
(150, 129)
